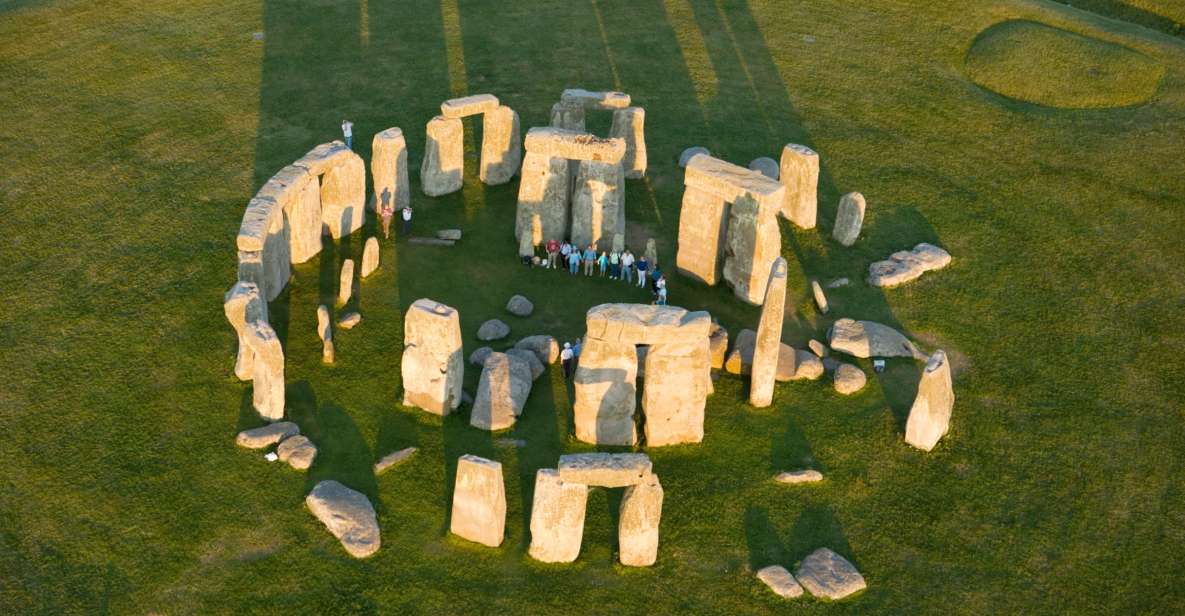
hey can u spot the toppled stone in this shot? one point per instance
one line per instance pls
(608, 470)
(479, 501)
(348, 515)
(370, 256)
(806, 366)
(298, 451)
(264, 436)
(869, 339)
(687, 154)
(849, 218)
(453, 235)
(516, 443)
(429, 241)
(804, 476)
(906, 265)
(818, 348)
(349, 320)
(820, 298)
(532, 360)
(639, 518)
(493, 330)
(929, 417)
(520, 306)
(557, 518)
(544, 347)
(718, 345)
(765, 166)
(478, 357)
(849, 379)
(779, 580)
(501, 392)
(393, 459)
(827, 574)
(432, 365)
(838, 282)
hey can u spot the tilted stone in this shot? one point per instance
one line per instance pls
(796, 477)
(393, 459)
(765, 166)
(596, 100)
(479, 501)
(675, 391)
(568, 116)
(779, 580)
(906, 265)
(598, 204)
(343, 196)
(849, 218)
(542, 210)
(268, 376)
(607, 470)
(557, 518)
(820, 298)
(242, 305)
(637, 527)
(469, 105)
(629, 124)
(264, 436)
(800, 174)
(703, 236)
(442, 169)
(869, 339)
(606, 390)
(501, 146)
(544, 347)
(849, 379)
(432, 366)
(345, 288)
(502, 392)
(298, 451)
(646, 324)
(388, 170)
(348, 515)
(929, 417)
(826, 574)
(754, 241)
(769, 338)
(370, 256)
(560, 143)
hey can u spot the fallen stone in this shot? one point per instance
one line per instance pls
(807, 366)
(298, 451)
(849, 379)
(765, 166)
(820, 298)
(608, 470)
(493, 330)
(929, 417)
(349, 320)
(520, 306)
(838, 282)
(370, 256)
(452, 235)
(544, 347)
(804, 476)
(429, 241)
(532, 361)
(818, 348)
(906, 265)
(479, 501)
(432, 365)
(687, 154)
(393, 459)
(637, 526)
(718, 345)
(264, 436)
(869, 339)
(516, 443)
(779, 580)
(478, 357)
(849, 218)
(829, 575)
(502, 392)
(348, 515)
(345, 288)
(557, 518)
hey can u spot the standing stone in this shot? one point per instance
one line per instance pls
(443, 168)
(557, 518)
(388, 170)
(606, 393)
(703, 235)
(870, 339)
(433, 368)
(769, 338)
(677, 384)
(598, 204)
(343, 196)
(651, 252)
(637, 529)
(800, 175)
(345, 289)
(828, 575)
(718, 345)
(263, 231)
(686, 156)
(501, 393)
(251, 270)
(820, 298)
(629, 124)
(479, 501)
(542, 208)
(607, 470)
(929, 417)
(348, 515)
(501, 145)
(754, 241)
(765, 166)
(298, 194)
(325, 333)
(268, 376)
(568, 115)
(779, 580)
(370, 256)
(243, 305)
(526, 248)
(849, 218)
(618, 242)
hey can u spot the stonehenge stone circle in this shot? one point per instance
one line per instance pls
(433, 368)
(264, 436)
(728, 227)
(826, 574)
(479, 501)
(849, 218)
(869, 339)
(443, 168)
(388, 170)
(765, 166)
(906, 265)
(442, 171)
(557, 517)
(370, 256)
(494, 329)
(394, 459)
(546, 348)
(502, 392)
(769, 338)
(298, 451)
(348, 515)
(800, 175)
(297, 196)
(637, 527)
(820, 297)
(268, 374)
(242, 305)
(345, 288)
(343, 186)
(686, 156)
(929, 417)
(779, 580)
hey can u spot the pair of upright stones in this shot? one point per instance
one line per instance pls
(628, 122)
(728, 228)
(443, 168)
(677, 372)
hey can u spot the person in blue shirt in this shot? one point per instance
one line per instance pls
(642, 267)
(574, 261)
(590, 259)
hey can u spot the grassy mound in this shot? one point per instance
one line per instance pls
(1038, 64)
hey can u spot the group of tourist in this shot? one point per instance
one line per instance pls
(612, 264)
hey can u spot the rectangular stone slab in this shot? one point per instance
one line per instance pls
(637, 526)
(606, 393)
(678, 380)
(468, 105)
(479, 501)
(608, 470)
(596, 100)
(560, 143)
(557, 518)
(729, 181)
(703, 233)
(388, 170)
(542, 199)
(646, 324)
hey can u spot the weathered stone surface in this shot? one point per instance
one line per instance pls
(449, 234)
(686, 156)
(348, 515)
(298, 194)
(568, 116)
(444, 157)
(324, 157)
(388, 170)
(800, 174)
(345, 288)
(754, 241)
(769, 338)
(370, 256)
(532, 361)
(264, 436)
(607, 470)
(501, 393)
(468, 105)
(827, 574)
(557, 518)
(343, 196)
(651, 252)
(546, 348)
(795, 365)
(520, 306)
(678, 382)
(493, 329)
(779, 580)
(718, 345)
(906, 265)
(479, 501)
(849, 379)
(571, 145)
(820, 298)
(929, 417)
(629, 124)
(794, 477)
(765, 166)
(818, 348)
(740, 359)
(849, 218)
(501, 146)
(349, 320)
(507, 442)
(595, 100)
(268, 375)
(242, 305)
(637, 527)
(729, 182)
(393, 459)
(263, 232)
(298, 451)
(642, 352)
(605, 383)
(432, 365)
(869, 339)
(478, 357)
(526, 249)
(646, 324)
(598, 204)
(703, 235)
(543, 199)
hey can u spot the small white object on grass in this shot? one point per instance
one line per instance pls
(271, 456)
(878, 365)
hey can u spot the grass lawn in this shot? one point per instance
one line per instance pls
(135, 132)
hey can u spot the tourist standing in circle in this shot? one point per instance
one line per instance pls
(387, 213)
(642, 270)
(348, 133)
(406, 215)
(574, 261)
(566, 359)
(590, 257)
(602, 263)
(627, 264)
(553, 250)
(614, 265)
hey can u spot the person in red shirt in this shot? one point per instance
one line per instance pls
(553, 250)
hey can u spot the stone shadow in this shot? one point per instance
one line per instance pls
(342, 451)
(539, 426)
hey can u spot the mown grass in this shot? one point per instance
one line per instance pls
(135, 133)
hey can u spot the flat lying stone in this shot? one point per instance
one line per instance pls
(838, 282)
(348, 515)
(520, 306)
(493, 330)
(609, 470)
(544, 347)
(804, 476)
(429, 241)
(807, 365)
(869, 339)
(516, 443)
(349, 320)
(468, 105)
(779, 580)
(827, 574)
(263, 436)
(298, 451)
(479, 356)
(453, 235)
(849, 379)
(687, 154)
(906, 265)
(394, 458)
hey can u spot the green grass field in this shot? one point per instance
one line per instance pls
(134, 133)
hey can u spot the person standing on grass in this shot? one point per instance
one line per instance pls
(574, 261)
(387, 213)
(627, 264)
(655, 274)
(576, 352)
(602, 263)
(662, 296)
(406, 215)
(614, 265)
(565, 250)
(590, 258)
(553, 250)
(642, 270)
(566, 359)
(348, 133)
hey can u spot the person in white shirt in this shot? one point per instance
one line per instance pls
(566, 360)
(627, 265)
(348, 132)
